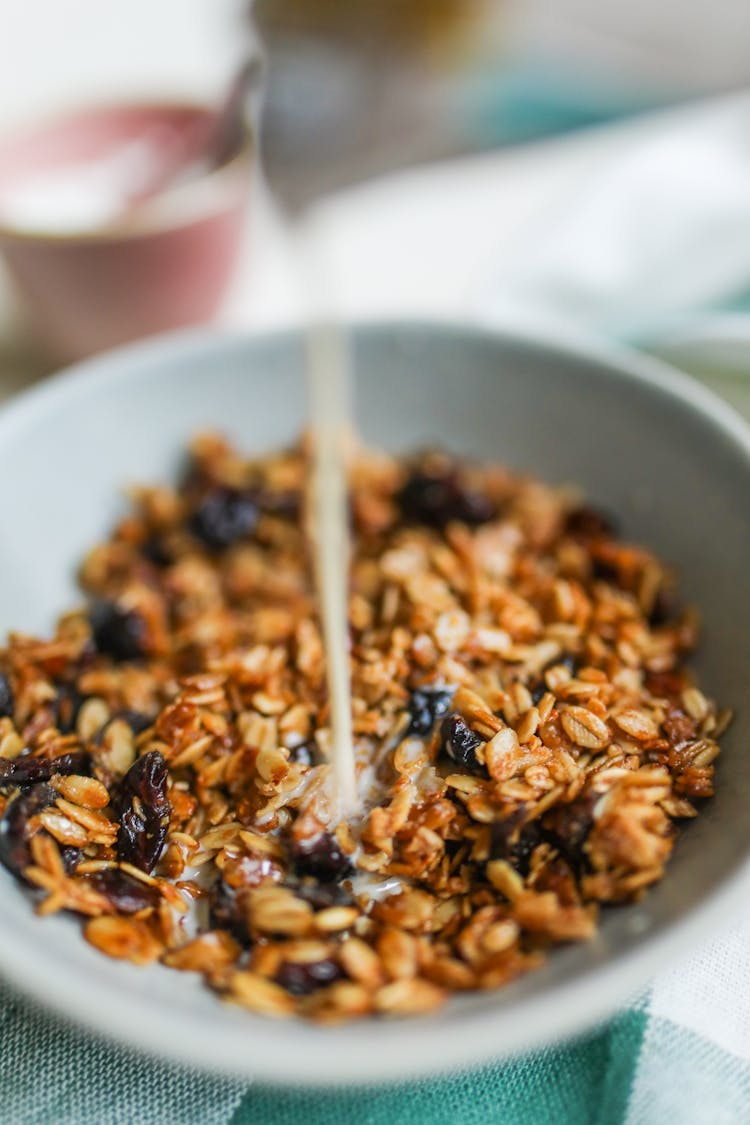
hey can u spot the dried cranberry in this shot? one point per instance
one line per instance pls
(30, 771)
(15, 827)
(7, 699)
(142, 806)
(322, 859)
(436, 500)
(124, 893)
(302, 979)
(117, 632)
(223, 517)
(226, 912)
(461, 743)
(590, 523)
(426, 706)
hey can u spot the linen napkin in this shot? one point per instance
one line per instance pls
(679, 1053)
(658, 232)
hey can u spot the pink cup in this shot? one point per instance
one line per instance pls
(163, 263)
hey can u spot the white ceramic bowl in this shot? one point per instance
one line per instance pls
(649, 444)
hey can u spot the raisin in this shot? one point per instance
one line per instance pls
(664, 609)
(31, 771)
(71, 857)
(142, 806)
(538, 692)
(460, 743)
(225, 909)
(520, 853)
(124, 893)
(568, 660)
(136, 720)
(306, 754)
(7, 699)
(117, 632)
(68, 702)
(568, 827)
(437, 500)
(322, 859)
(285, 503)
(302, 979)
(15, 826)
(515, 841)
(590, 523)
(322, 895)
(156, 551)
(605, 571)
(426, 706)
(223, 517)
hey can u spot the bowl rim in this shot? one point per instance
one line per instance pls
(414, 1047)
(197, 199)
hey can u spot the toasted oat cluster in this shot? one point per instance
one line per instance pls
(526, 732)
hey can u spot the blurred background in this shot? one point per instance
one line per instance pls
(489, 71)
(532, 129)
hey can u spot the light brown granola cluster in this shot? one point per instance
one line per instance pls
(527, 735)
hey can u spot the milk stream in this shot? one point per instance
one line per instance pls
(329, 389)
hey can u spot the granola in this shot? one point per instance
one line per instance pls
(527, 735)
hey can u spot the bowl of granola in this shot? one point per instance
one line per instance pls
(548, 613)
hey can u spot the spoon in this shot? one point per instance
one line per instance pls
(209, 141)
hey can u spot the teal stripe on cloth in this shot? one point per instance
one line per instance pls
(584, 1083)
(54, 1074)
